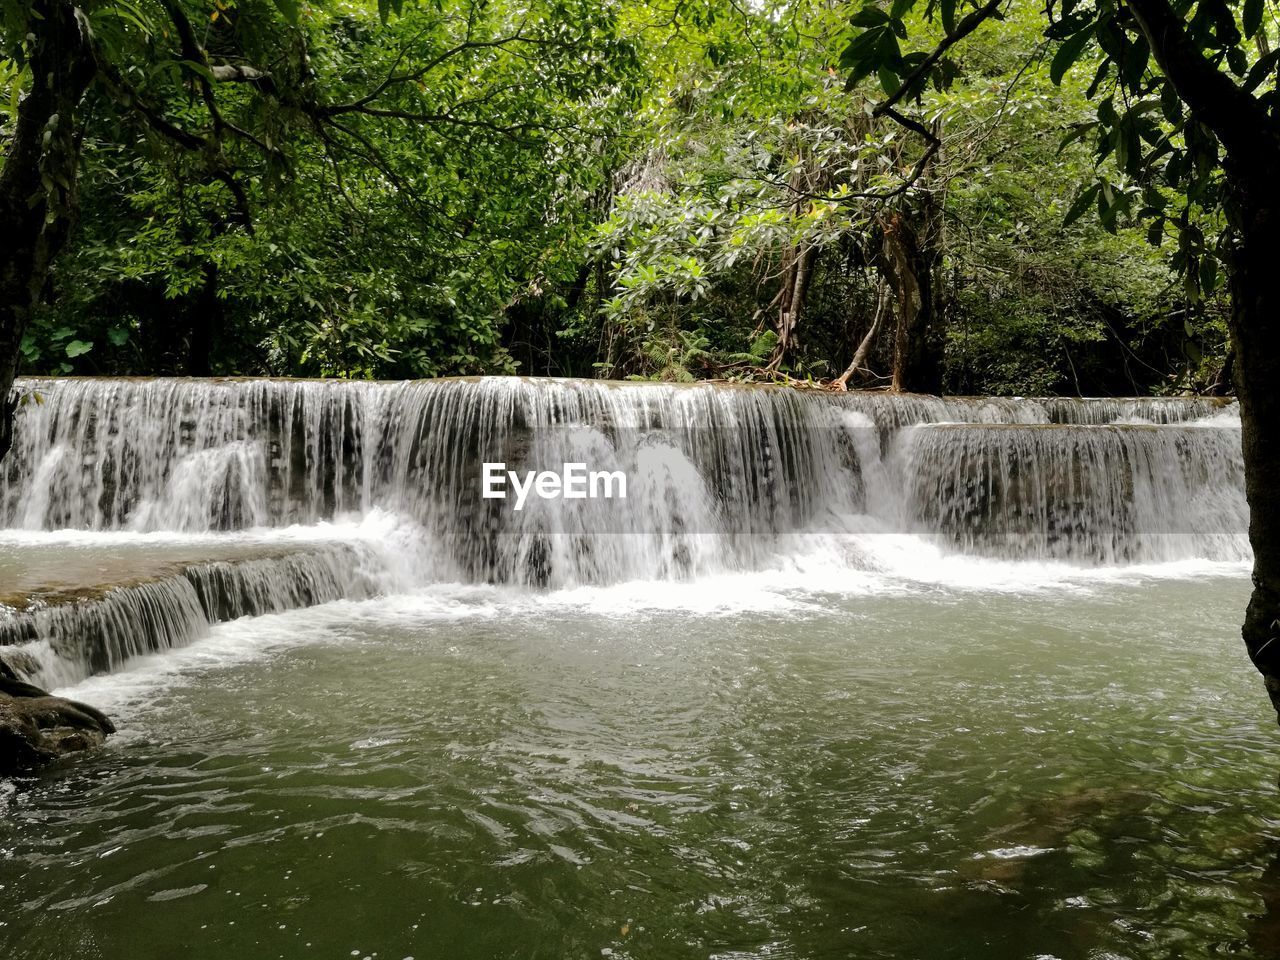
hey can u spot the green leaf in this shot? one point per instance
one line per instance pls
(1261, 70)
(1237, 61)
(199, 69)
(862, 47)
(1082, 204)
(869, 16)
(1068, 52)
(948, 9)
(289, 8)
(1155, 232)
(1170, 103)
(866, 53)
(1068, 26)
(1208, 274)
(1251, 17)
(78, 348)
(888, 81)
(1078, 131)
(763, 345)
(118, 336)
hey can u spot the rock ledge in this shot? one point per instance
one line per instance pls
(36, 728)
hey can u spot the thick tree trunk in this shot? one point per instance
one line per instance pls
(1255, 334)
(1248, 132)
(38, 182)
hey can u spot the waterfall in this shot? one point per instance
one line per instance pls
(719, 478)
(718, 473)
(1106, 494)
(63, 640)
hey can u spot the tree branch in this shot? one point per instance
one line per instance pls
(1234, 116)
(236, 73)
(415, 75)
(131, 99)
(965, 27)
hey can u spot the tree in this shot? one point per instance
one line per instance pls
(1188, 110)
(693, 168)
(52, 42)
(259, 137)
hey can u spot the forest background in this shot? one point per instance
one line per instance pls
(670, 191)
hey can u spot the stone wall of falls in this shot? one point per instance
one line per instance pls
(720, 477)
(60, 642)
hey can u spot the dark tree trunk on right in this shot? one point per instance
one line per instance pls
(1251, 140)
(1255, 334)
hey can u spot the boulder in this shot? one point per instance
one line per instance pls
(36, 728)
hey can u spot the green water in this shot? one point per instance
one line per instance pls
(1075, 772)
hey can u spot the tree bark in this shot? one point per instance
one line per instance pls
(1255, 334)
(911, 263)
(38, 182)
(1252, 142)
(792, 295)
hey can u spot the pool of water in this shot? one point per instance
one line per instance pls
(746, 767)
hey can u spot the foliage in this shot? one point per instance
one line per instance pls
(603, 186)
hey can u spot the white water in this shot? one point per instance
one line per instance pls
(737, 497)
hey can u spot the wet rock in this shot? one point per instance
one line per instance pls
(36, 728)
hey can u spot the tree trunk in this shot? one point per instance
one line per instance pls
(860, 355)
(1244, 127)
(792, 295)
(38, 182)
(206, 323)
(1255, 335)
(911, 263)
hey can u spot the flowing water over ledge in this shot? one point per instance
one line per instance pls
(77, 610)
(851, 677)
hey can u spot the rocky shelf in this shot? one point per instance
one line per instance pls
(73, 610)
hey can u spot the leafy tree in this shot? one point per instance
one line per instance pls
(368, 169)
(1188, 111)
(741, 179)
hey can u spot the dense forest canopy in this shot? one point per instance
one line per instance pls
(652, 190)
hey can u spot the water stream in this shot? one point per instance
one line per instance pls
(842, 676)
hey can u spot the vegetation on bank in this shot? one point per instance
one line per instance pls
(607, 188)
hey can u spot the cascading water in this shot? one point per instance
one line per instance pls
(1097, 494)
(835, 664)
(59, 643)
(720, 479)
